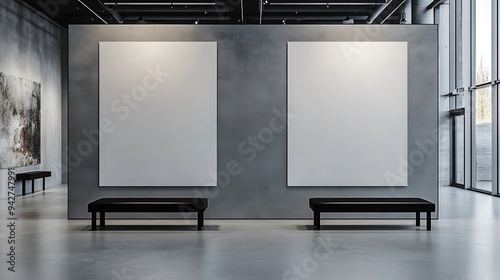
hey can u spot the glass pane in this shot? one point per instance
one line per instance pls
(459, 163)
(483, 139)
(459, 101)
(483, 41)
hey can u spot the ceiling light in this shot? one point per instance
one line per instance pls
(141, 20)
(403, 18)
(348, 20)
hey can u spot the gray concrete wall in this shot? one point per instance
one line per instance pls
(31, 48)
(251, 92)
(64, 108)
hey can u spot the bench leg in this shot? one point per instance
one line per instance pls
(44, 183)
(33, 186)
(316, 220)
(428, 220)
(94, 220)
(200, 220)
(418, 219)
(102, 222)
(24, 187)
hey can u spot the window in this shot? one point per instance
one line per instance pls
(483, 24)
(483, 139)
(458, 147)
(481, 94)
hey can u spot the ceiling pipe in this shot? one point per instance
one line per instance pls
(393, 11)
(377, 12)
(435, 3)
(242, 13)
(114, 13)
(260, 12)
(85, 5)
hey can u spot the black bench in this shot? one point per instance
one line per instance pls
(415, 205)
(104, 205)
(32, 175)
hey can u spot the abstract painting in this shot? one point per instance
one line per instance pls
(19, 122)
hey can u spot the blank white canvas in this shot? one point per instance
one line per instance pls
(348, 114)
(169, 135)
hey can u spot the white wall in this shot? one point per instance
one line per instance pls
(31, 49)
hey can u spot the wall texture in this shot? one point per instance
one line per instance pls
(251, 98)
(31, 48)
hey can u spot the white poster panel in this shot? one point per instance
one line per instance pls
(349, 106)
(158, 113)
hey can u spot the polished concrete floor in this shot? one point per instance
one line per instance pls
(463, 244)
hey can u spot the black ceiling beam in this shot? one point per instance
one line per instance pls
(161, 9)
(150, 18)
(227, 11)
(329, 21)
(331, 3)
(306, 18)
(313, 20)
(318, 9)
(85, 19)
(116, 15)
(157, 2)
(233, 9)
(250, 8)
(193, 16)
(322, 15)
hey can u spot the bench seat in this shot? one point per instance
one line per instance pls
(32, 175)
(104, 205)
(381, 204)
